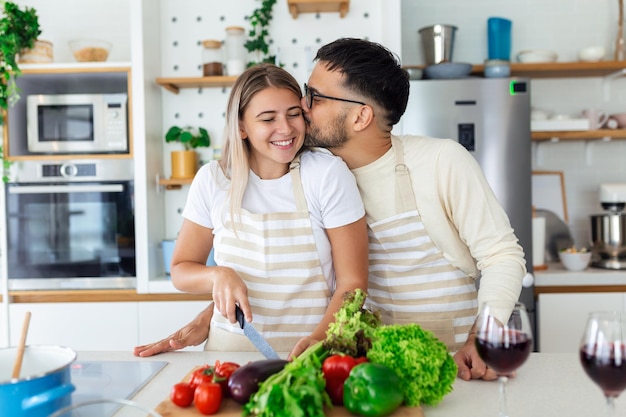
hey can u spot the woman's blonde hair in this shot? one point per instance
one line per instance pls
(236, 151)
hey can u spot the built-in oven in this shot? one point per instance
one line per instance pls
(70, 225)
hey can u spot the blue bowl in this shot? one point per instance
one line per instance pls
(497, 69)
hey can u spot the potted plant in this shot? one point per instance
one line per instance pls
(18, 30)
(184, 162)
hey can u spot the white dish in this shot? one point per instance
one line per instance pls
(448, 70)
(575, 261)
(591, 54)
(537, 55)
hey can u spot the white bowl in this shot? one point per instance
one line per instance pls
(537, 55)
(591, 53)
(575, 261)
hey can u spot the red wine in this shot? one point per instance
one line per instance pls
(504, 356)
(608, 372)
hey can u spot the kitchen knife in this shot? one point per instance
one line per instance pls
(255, 337)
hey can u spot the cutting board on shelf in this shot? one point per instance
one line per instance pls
(230, 408)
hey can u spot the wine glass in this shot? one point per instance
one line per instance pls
(603, 353)
(503, 340)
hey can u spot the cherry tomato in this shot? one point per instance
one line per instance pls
(223, 371)
(182, 394)
(208, 397)
(200, 375)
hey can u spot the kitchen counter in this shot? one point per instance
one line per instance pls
(557, 279)
(547, 385)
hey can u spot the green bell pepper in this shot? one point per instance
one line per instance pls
(372, 390)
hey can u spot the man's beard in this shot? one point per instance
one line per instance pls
(333, 137)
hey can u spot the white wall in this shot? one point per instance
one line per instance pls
(543, 24)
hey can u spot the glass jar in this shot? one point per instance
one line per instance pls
(212, 58)
(236, 53)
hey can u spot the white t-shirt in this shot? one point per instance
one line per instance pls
(329, 187)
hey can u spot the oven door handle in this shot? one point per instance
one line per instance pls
(48, 189)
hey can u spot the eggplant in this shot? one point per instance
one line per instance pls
(244, 382)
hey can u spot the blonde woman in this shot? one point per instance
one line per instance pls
(287, 226)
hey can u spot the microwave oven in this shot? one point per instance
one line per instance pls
(77, 123)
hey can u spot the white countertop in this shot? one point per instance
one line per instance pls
(546, 385)
(557, 275)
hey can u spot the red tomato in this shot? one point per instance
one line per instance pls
(182, 394)
(204, 374)
(223, 371)
(208, 398)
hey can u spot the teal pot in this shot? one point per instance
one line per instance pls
(44, 384)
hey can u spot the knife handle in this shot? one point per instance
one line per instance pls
(239, 315)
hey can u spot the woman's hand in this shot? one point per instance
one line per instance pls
(229, 290)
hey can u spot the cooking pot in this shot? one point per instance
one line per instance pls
(44, 385)
(437, 43)
(608, 236)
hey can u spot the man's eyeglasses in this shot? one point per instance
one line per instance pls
(310, 94)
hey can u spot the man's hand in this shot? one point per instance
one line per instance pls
(192, 334)
(302, 345)
(469, 363)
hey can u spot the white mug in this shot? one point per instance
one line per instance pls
(597, 118)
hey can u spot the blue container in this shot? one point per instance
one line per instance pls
(499, 38)
(44, 385)
(168, 250)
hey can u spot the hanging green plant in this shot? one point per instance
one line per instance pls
(257, 44)
(19, 30)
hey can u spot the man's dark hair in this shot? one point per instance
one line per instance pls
(369, 69)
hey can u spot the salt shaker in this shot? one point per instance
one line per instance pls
(236, 53)
(212, 58)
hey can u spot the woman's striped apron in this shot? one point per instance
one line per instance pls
(276, 255)
(410, 280)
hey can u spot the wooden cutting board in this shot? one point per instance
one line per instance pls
(230, 408)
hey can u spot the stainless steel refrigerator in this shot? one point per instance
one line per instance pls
(491, 118)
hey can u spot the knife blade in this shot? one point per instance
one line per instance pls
(255, 337)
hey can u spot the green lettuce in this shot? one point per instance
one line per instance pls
(421, 361)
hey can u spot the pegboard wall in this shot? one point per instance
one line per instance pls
(185, 23)
(294, 41)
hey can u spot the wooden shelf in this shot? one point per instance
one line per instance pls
(579, 135)
(174, 183)
(563, 69)
(175, 84)
(318, 6)
(557, 69)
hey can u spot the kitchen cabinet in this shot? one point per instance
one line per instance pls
(562, 317)
(102, 325)
(157, 319)
(83, 326)
(565, 298)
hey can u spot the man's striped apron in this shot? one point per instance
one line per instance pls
(409, 278)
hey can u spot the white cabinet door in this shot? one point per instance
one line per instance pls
(79, 326)
(562, 317)
(159, 319)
